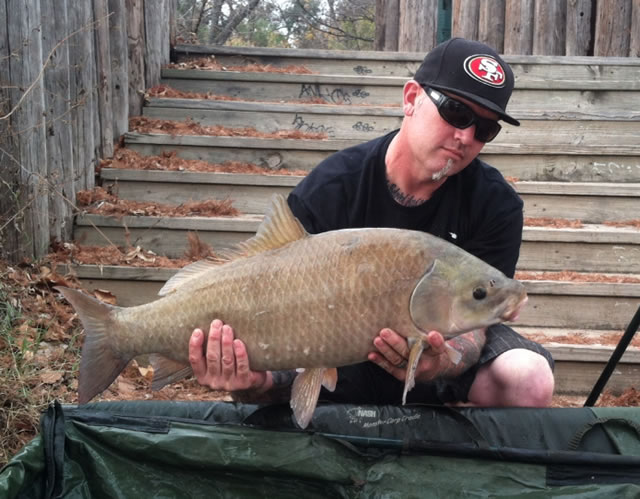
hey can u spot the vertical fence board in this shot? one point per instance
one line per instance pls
(154, 50)
(549, 27)
(136, 43)
(518, 27)
(103, 73)
(58, 132)
(11, 226)
(579, 38)
(465, 18)
(387, 25)
(418, 25)
(613, 25)
(634, 42)
(491, 24)
(81, 90)
(23, 20)
(119, 65)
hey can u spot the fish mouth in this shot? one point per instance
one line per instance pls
(513, 309)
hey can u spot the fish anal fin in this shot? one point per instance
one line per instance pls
(166, 370)
(454, 356)
(330, 379)
(188, 274)
(305, 393)
(414, 357)
(100, 363)
(279, 228)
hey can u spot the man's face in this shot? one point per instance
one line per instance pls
(435, 143)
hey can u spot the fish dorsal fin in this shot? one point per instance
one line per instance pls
(188, 274)
(279, 228)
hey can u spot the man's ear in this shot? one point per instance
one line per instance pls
(410, 95)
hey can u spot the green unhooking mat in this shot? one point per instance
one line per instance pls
(178, 449)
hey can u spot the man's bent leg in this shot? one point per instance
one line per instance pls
(518, 377)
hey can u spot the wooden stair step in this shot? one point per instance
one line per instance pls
(540, 161)
(361, 122)
(588, 202)
(530, 71)
(547, 103)
(592, 248)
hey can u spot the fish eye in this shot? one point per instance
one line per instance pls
(480, 293)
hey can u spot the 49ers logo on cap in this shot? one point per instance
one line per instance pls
(485, 69)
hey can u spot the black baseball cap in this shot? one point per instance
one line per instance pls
(471, 70)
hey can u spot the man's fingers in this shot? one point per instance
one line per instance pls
(196, 356)
(437, 343)
(213, 348)
(242, 359)
(397, 372)
(228, 356)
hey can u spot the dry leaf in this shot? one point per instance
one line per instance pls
(50, 377)
(105, 296)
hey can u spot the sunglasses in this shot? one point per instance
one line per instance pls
(459, 115)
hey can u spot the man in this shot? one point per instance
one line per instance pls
(425, 176)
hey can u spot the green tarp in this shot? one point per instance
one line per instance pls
(176, 449)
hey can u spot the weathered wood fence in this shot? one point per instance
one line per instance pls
(609, 28)
(71, 72)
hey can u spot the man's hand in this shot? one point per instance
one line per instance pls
(225, 366)
(393, 354)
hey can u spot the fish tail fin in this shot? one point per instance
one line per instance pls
(101, 362)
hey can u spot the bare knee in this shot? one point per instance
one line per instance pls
(517, 377)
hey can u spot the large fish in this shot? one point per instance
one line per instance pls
(301, 301)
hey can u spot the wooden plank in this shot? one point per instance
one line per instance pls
(387, 25)
(570, 288)
(572, 134)
(418, 25)
(136, 54)
(103, 71)
(59, 145)
(588, 209)
(549, 31)
(82, 93)
(526, 104)
(634, 41)
(574, 256)
(118, 44)
(518, 31)
(535, 162)
(171, 243)
(584, 312)
(613, 25)
(11, 247)
(465, 17)
(491, 24)
(579, 39)
(578, 378)
(154, 47)
(28, 122)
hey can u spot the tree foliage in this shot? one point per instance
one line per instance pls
(330, 24)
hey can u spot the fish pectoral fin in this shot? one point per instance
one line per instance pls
(305, 393)
(166, 370)
(330, 379)
(412, 365)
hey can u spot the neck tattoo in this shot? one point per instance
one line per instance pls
(402, 198)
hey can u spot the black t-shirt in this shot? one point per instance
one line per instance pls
(475, 209)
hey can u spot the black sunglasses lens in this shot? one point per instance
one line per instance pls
(486, 130)
(456, 113)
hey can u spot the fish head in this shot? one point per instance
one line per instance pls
(458, 294)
